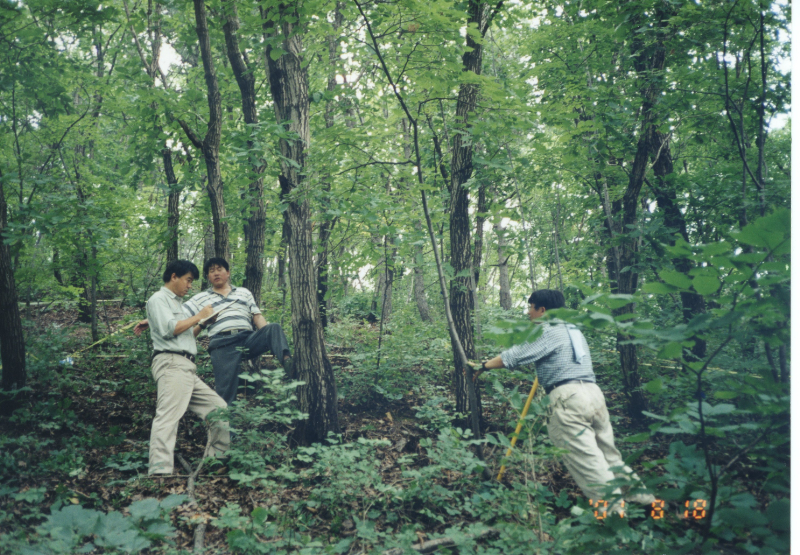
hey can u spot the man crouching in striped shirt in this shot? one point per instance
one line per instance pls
(579, 421)
(239, 330)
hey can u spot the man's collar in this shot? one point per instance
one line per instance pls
(211, 290)
(170, 292)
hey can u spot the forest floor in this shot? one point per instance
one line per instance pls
(102, 395)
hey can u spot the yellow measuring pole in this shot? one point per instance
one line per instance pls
(519, 426)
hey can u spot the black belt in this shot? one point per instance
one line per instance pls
(184, 354)
(231, 332)
(564, 382)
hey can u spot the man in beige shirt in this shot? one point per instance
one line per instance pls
(174, 370)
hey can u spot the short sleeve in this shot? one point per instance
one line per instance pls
(251, 303)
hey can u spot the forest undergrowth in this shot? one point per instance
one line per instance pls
(402, 473)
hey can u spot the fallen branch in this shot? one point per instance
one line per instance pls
(432, 545)
(105, 338)
(200, 531)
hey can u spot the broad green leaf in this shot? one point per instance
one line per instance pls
(659, 288)
(654, 386)
(670, 350)
(706, 284)
(676, 279)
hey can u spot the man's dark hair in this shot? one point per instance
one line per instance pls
(547, 298)
(216, 261)
(180, 268)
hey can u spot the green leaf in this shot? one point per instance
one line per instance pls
(670, 350)
(676, 279)
(778, 514)
(742, 518)
(644, 436)
(276, 53)
(706, 284)
(654, 386)
(145, 509)
(659, 288)
(725, 395)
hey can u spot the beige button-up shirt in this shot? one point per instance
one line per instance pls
(164, 311)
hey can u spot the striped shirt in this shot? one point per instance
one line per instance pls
(240, 307)
(164, 310)
(554, 357)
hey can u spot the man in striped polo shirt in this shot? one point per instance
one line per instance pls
(579, 420)
(239, 330)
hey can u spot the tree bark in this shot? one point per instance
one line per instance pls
(208, 251)
(327, 224)
(480, 14)
(12, 340)
(255, 220)
(692, 303)
(288, 79)
(502, 267)
(173, 213)
(209, 145)
(419, 268)
(649, 64)
(419, 279)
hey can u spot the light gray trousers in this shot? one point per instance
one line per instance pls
(580, 424)
(179, 389)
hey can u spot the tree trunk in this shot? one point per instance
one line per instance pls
(693, 304)
(208, 251)
(649, 63)
(209, 145)
(419, 279)
(288, 79)
(419, 268)
(173, 214)
(255, 221)
(480, 219)
(502, 267)
(461, 168)
(12, 341)
(327, 224)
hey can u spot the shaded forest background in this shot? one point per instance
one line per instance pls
(391, 180)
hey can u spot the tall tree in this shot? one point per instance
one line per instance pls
(288, 79)
(12, 341)
(255, 222)
(210, 143)
(480, 16)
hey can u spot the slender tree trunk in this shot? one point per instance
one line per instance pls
(173, 214)
(419, 273)
(209, 145)
(208, 251)
(288, 79)
(255, 220)
(419, 279)
(12, 340)
(327, 224)
(692, 303)
(461, 168)
(480, 220)
(557, 239)
(502, 267)
(649, 63)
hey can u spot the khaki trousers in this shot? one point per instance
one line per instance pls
(179, 388)
(579, 423)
